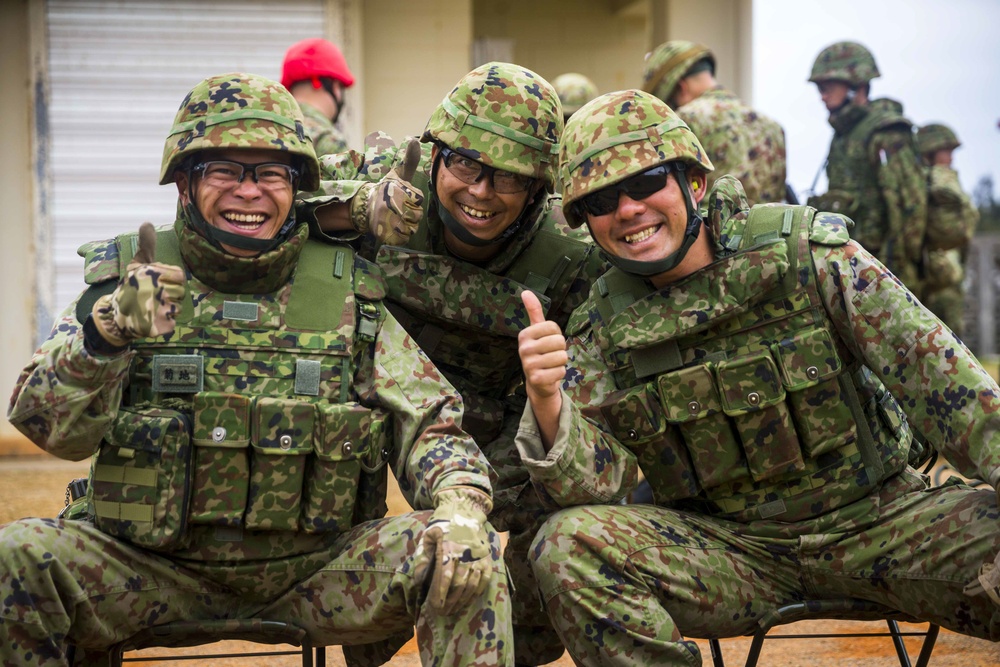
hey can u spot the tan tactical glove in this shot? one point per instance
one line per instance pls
(392, 208)
(457, 549)
(146, 300)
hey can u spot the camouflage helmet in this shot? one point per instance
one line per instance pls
(618, 135)
(935, 137)
(238, 110)
(574, 91)
(504, 116)
(845, 61)
(668, 64)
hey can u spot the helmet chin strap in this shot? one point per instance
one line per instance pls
(217, 237)
(691, 232)
(463, 234)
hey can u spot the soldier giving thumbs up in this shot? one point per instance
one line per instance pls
(542, 348)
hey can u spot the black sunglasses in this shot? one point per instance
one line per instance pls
(640, 186)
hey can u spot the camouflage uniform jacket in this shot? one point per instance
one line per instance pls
(326, 137)
(71, 402)
(739, 141)
(865, 315)
(876, 179)
(468, 317)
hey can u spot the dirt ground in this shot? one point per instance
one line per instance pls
(35, 486)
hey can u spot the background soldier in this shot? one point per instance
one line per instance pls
(951, 223)
(873, 169)
(241, 423)
(739, 140)
(748, 365)
(490, 230)
(574, 91)
(316, 73)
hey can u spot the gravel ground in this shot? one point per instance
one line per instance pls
(35, 486)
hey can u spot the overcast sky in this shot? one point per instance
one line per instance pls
(940, 58)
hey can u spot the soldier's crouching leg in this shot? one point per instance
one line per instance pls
(367, 594)
(604, 612)
(535, 640)
(64, 582)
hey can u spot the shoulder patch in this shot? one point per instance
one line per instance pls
(369, 280)
(100, 260)
(830, 229)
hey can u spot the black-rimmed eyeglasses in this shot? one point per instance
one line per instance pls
(470, 172)
(228, 173)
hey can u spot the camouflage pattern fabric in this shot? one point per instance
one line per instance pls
(739, 141)
(68, 400)
(505, 116)
(466, 318)
(325, 136)
(357, 589)
(626, 584)
(934, 137)
(670, 62)
(951, 224)
(849, 62)
(238, 110)
(574, 91)
(876, 179)
(595, 152)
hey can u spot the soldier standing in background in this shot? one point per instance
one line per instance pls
(738, 140)
(873, 170)
(490, 229)
(756, 366)
(951, 223)
(236, 413)
(574, 91)
(316, 73)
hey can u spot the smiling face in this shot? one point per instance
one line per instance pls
(479, 208)
(250, 209)
(652, 228)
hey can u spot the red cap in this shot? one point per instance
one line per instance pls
(311, 59)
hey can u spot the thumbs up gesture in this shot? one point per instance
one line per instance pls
(391, 209)
(542, 348)
(146, 300)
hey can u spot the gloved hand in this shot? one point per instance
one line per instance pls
(456, 549)
(146, 300)
(392, 208)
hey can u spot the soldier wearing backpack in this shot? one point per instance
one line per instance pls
(951, 222)
(874, 172)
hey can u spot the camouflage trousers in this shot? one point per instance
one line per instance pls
(517, 509)
(624, 585)
(64, 582)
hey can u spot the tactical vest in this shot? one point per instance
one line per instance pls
(467, 319)
(243, 418)
(735, 393)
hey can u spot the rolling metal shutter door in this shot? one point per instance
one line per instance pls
(118, 71)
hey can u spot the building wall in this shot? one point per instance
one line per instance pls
(603, 40)
(18, 189)
(414, 53)
(725, 27)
